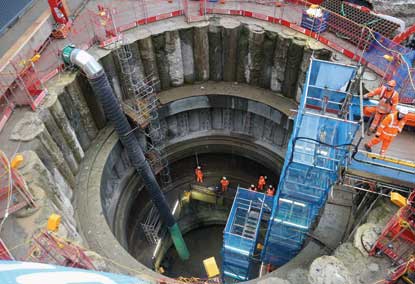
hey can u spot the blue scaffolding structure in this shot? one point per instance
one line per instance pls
(319, 145)
(241, 234)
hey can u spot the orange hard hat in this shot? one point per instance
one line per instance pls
(392, 83)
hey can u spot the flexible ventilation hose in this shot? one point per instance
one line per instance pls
(102, 89)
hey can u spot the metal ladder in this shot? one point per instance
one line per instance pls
(152, 226)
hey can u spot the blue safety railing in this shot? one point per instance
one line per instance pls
(323, 132)
(400, 174)
(241, 234)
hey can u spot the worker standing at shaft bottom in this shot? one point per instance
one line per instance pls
(199, 174)
(253, 188)
(388, 130)
(224, 183)
(261, 183)
(388, 101)
(271, 190)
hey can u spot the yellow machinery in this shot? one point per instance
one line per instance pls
(203, 194)
(398, 199)
(391, 160)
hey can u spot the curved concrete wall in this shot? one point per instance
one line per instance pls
(259, 135)
(223, 49)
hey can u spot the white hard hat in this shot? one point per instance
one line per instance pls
(199, 167)
(224, 177)
(252, 185)
(403, 110)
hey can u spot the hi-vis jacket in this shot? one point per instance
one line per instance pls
(391, 126)
(388, 100)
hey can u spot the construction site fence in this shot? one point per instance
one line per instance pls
(101, 26)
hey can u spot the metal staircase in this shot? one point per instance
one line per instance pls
(319, 146)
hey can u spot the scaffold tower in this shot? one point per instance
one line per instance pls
(319, 147)
(141, 105)
(250, 212)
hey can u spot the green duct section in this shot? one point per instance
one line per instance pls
(178, 242)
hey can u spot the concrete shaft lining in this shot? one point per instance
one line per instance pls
(109, 162)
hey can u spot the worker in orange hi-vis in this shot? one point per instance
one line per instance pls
(224, 183)
(199, 174)
(388, 101)
(261, 183)
(270, 190)
(388, 130)
(253, 188)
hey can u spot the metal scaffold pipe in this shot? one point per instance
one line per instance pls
(102, 89)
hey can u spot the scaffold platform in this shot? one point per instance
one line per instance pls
(241, 234)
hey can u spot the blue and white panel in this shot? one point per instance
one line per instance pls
(15, 272)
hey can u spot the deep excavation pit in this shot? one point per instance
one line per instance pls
(202, 223)
(240, 153)
(226, 90)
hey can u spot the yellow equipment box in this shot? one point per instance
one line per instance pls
(54, 222)
(17, 161)
(211, 267)
(398, 199)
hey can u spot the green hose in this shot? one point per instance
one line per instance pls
(178, 242)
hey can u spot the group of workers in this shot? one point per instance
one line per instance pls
(262, 182)
(389, 119)
(224, 183)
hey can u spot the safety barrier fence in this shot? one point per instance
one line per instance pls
(26, 74)
(364, 39)
(91, 25)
